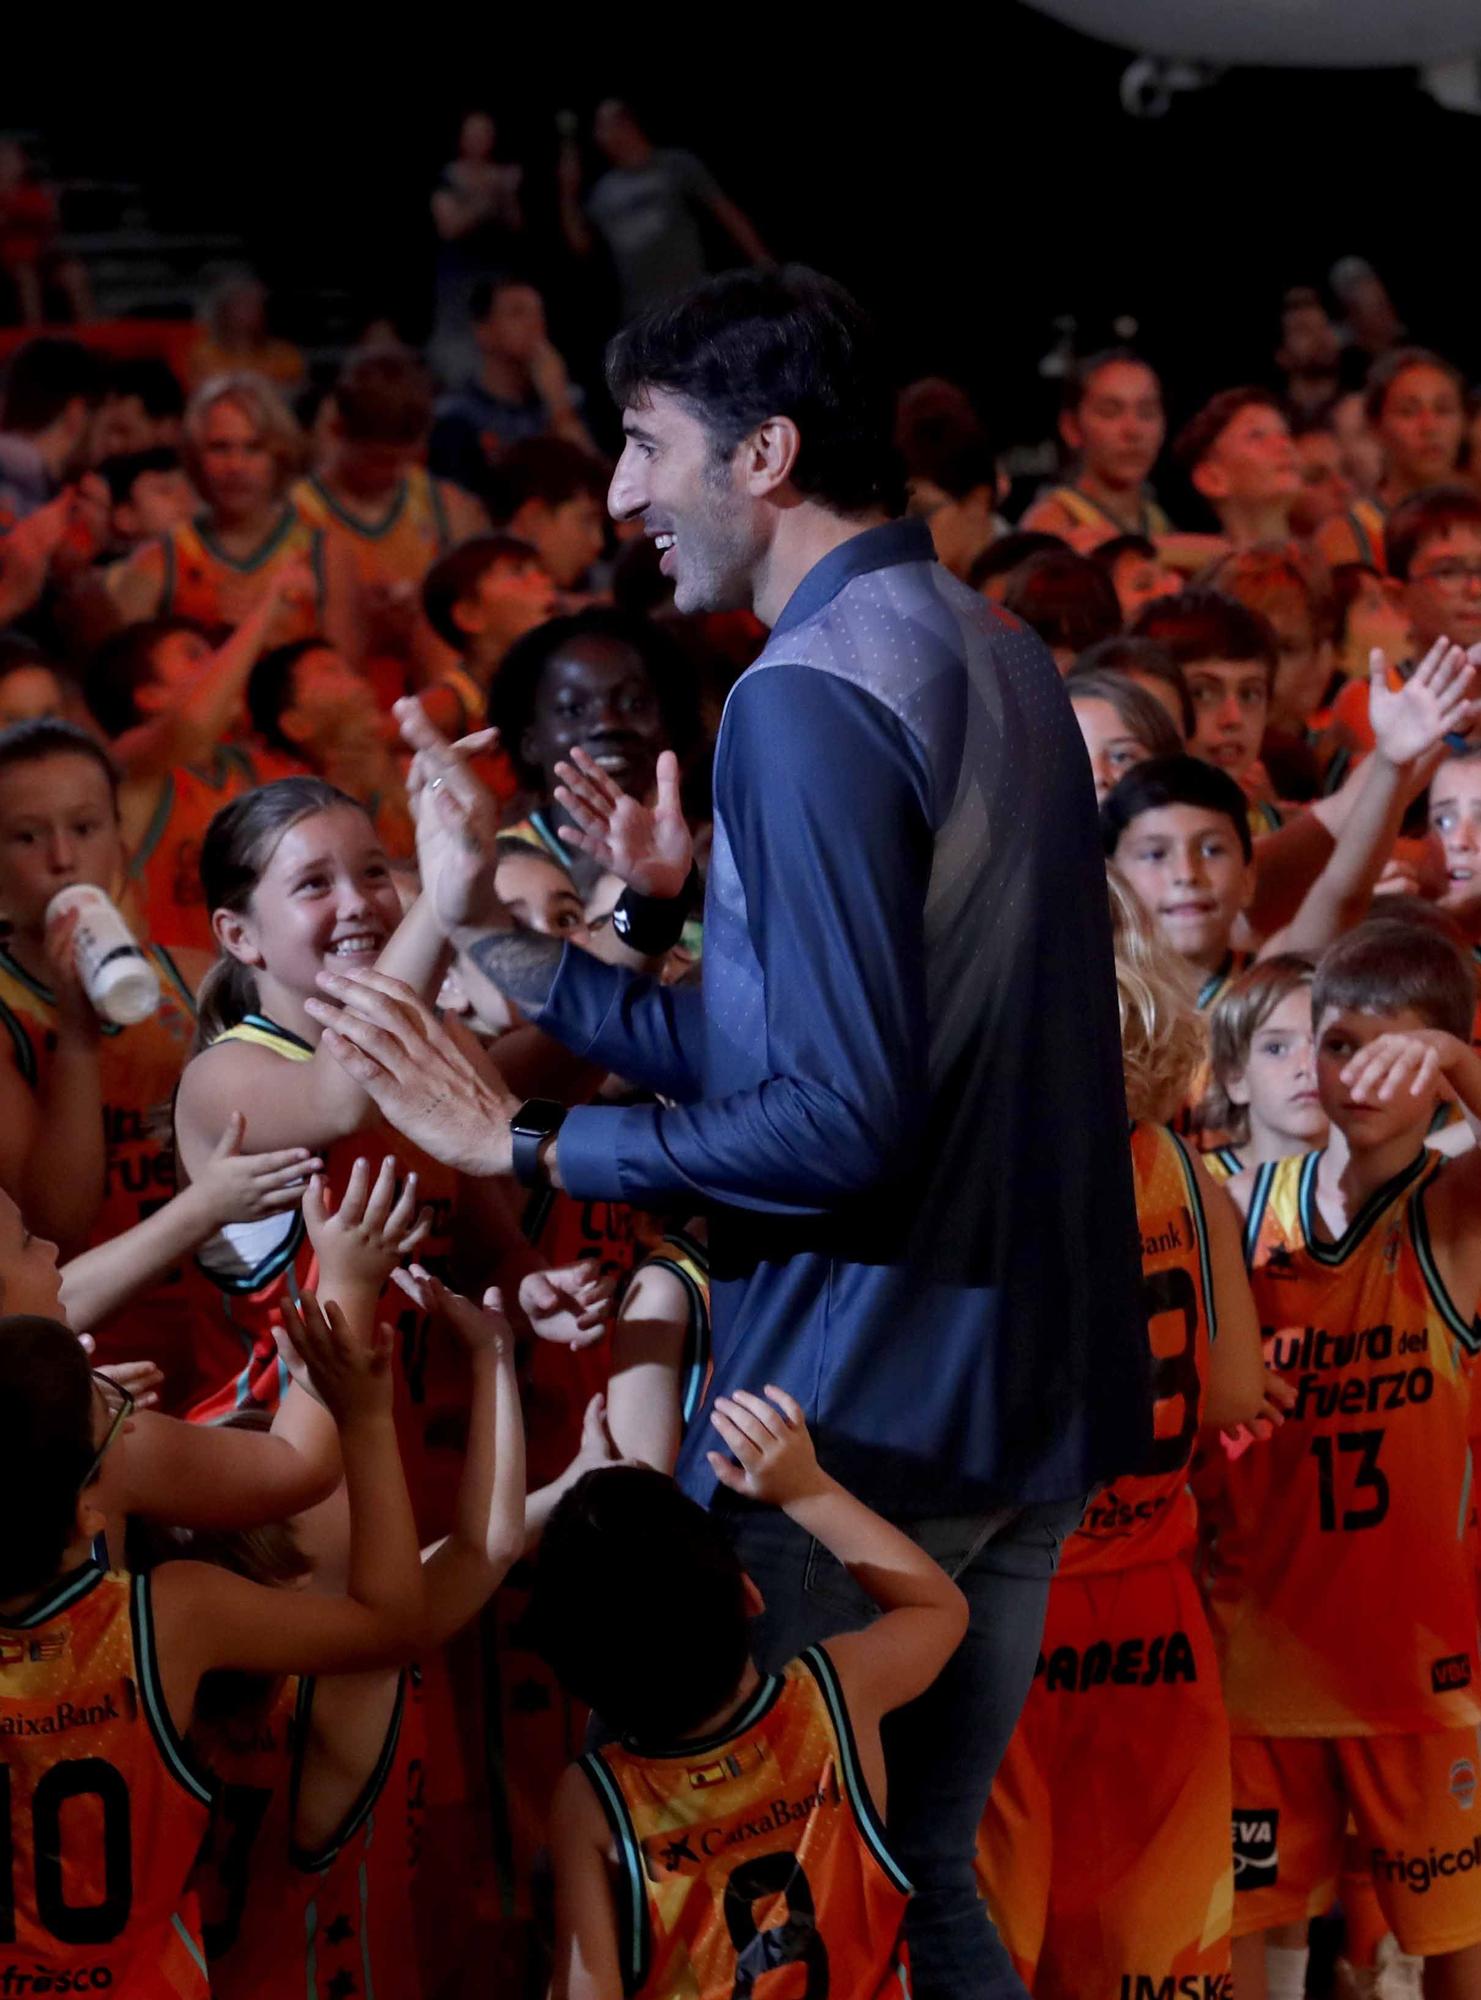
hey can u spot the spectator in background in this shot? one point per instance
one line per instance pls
(479, 219)
(235, 337)
(1067, 599)
(39, 274)
(1325, 488)
(646, 209)
(1112, 423)
(1137, 572)
(521, 389)
(1238, 455)
(552, 495)
(149, 493)
(1415, 406)
(1310, 354)
(51, 390)
(143, 407)
(951, 472)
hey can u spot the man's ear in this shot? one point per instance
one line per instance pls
(1069, 429)
(768, 456)
(236, 936)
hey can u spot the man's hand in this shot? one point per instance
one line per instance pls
(457, 822)
(571, 1304)
(771, 1441)
(397, 1050)
(649, 847)
(1415, 1061)
(1410, 721)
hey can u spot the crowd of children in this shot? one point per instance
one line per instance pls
(337, 1480)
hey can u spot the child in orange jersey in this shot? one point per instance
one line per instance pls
(1104, 1852)
(730, 1792)
(1262, 1098)
(1342, 1582)
(103, 1809)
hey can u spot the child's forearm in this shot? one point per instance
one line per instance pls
(65, 1176)
(101, 1280)
(896, 1572)
(385, 1569)
(1341, 893)
(1464, 1078)
(488, 1527)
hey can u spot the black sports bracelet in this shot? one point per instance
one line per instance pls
(652, 925)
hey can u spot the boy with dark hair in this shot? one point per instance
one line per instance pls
(1228, 655)
(1366, 1268)
(990, 571)
(52, 387)
(371, 493)
(1137, 572)
(955, 487)
(1152, 667)
(1238, 454)
(1067, 599)
(480, 600)
(149, 494)
(1112, 422)
(728, 1786)
(552, 493)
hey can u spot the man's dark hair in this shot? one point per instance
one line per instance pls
(1201, 624)
(1067, 599)
(1434, 510)
(1390, 967)
(1174, 781)
(546, 468)
(603, 1611)
(511, 704)
(48, 736)
(748, 345)
(124, 467)
(1202, 431)
(1124, 654)
(456, 575)
(153, 381)
(383, 396)
(121, 666)
(44, 376)
(486, 293)
(1009, 550)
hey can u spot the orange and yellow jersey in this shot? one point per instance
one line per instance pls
(139, 1069)
(251, 1266)
(1341, 1575)
(1149, 1516)
(753, 1850)
(1216, 983)
(101, 1809)
(689, 1261)
(398, 548)
(1084, 512)
(201, 581)
(1355, 537)
(280, 1919)
(165, 867)
(1222, 1164)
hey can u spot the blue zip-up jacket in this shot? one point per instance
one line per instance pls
(899, 1088)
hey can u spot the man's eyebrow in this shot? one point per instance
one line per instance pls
(635, 430)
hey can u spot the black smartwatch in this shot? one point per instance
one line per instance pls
(535, 1121)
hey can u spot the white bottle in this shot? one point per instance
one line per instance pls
(116, 976)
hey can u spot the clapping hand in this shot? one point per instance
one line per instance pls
(457, 822)
(650, 847)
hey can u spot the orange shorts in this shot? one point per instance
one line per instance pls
(1414, 1802)
(1104, 1852)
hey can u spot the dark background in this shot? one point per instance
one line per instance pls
(970, 185)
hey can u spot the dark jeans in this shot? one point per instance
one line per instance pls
(942, 1751)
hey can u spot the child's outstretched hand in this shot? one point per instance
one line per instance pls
(1415, 1060)
(571, 1304)
(234, 1186)
(482, 1329)
(771, 1441)
(360, 1243)
(350, 1373)
(142, 1379)
(1433, 703)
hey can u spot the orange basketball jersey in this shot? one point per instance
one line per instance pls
(753, 1850)
(203, 582)
(281, 1920)
(399, 548)
(101, 1812)
(1341, 1584)
(1148, 1517)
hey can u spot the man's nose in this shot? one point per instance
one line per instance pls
(624, 496)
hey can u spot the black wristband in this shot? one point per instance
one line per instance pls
(652, 925)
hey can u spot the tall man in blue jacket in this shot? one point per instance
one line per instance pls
(899, 1089)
